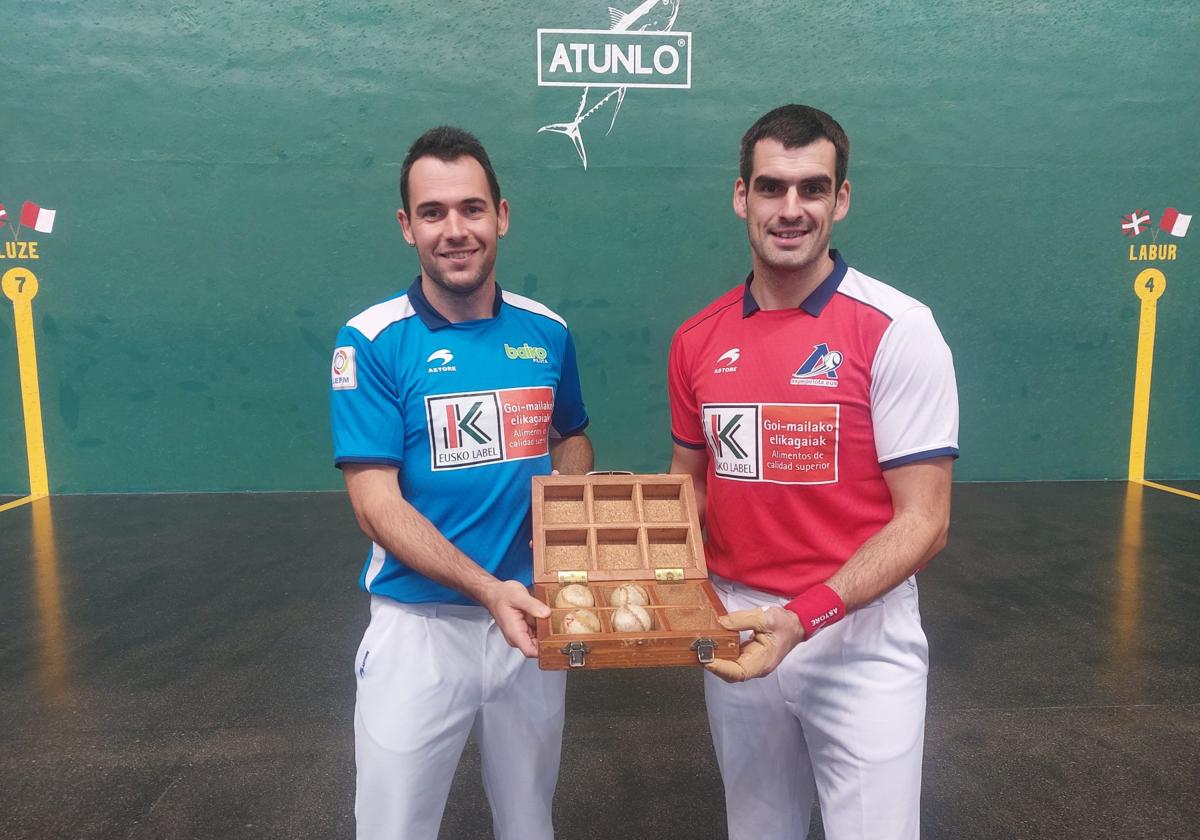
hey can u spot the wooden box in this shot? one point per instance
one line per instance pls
(606, 530)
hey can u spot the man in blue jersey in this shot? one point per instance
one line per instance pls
(447, 400)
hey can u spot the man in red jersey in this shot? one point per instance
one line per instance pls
(815, 409)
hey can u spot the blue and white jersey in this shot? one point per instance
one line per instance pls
(466, 411)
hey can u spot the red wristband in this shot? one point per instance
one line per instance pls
(817, 607)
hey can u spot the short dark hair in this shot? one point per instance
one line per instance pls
(448, 143)
(795, 126)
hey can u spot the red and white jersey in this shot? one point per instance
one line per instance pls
(801, 411)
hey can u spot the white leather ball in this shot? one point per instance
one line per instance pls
(628, 594)
(581, 621)
(631, 619)
(574, 595)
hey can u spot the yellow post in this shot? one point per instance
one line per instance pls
(21, 286)
(1149, 286)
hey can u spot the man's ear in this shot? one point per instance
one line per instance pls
(405, 226)
(739, 198)
(502, 217)
(842, 207)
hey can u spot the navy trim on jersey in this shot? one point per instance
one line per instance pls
(574, 432)
(712, 314)
(816, 301)
(749, 304)
(433, 319)
(368, 459)
(919, 456)
(687, 444)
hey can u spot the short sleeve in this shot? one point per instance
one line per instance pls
(570, 416)
(368, 427)
(685, 414)
(914, 397)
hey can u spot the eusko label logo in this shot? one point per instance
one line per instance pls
(483, 427)
(464, 429)
(732, 434)
(779, 443)
(724, 435)
(639, 49)
(461, 425)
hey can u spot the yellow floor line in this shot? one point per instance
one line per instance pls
(1177, 492)
(20, 502)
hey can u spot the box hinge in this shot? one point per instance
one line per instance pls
(706, 650)
(674, 575)
(576, 653)
(566, 577)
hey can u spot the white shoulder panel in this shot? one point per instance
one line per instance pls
(371, 322)
(881, 296)
(530, 305)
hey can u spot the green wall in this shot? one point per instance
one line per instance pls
(225, 181)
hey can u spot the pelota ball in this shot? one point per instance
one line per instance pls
(581, 621)
(631, 619)
(628, 594)
(574, 595)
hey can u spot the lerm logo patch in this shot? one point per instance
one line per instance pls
(484, 427)
(342, 371)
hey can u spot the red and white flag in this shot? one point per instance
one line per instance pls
(38, 218)
(1131, 224)
(3, 215)
(1174, 222)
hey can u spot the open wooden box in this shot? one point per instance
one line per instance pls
(605, 530)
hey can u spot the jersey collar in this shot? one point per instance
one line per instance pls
(433, 319)
(815, 303)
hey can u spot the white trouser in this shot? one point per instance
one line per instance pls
(844, 713)
(428, 676)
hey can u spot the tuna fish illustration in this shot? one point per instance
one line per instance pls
(650, 16)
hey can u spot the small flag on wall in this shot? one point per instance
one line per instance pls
(38, 218)
(1131, 225)
(3, 215)
(1174, 222)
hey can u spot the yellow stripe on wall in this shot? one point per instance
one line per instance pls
(21, 286)
(1149, 286)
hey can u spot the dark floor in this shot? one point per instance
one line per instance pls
(180, 667)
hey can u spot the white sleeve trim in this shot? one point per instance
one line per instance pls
(531, 305)
(371, 322)
(914, 396)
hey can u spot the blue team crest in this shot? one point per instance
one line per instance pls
(820, 368)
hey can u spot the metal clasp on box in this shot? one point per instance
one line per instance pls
(706, 650)
(576, 653)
